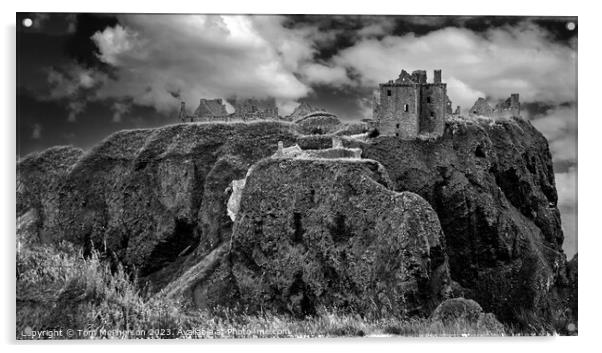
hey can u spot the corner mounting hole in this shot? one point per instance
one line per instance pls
(27, 22)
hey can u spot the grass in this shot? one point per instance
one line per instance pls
(59, 290)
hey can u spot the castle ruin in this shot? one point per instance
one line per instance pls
(244, 109)
(208, 110)
(409, 106)
(254, 109)
(506, 109)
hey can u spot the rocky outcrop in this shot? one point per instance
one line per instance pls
(156, 201)
(492, 186)
(40, 177)
(573, 288)
(149, 197)
(466, 311)
(341, 240)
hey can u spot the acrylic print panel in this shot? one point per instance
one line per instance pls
(247, 176)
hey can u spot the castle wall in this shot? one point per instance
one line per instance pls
(254, 109)
(412, 109)
(394, 117)
(433, 103)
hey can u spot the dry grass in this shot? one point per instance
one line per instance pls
(59, 289)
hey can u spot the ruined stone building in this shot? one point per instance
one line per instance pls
(506, 109)
(244, 109)
(409, 106)
(254, 109)
(208, 110)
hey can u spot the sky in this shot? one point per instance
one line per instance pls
(81, 77)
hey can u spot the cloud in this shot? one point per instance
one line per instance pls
(462, 94)
(75, 108)
(156, 61)
(495, 63)
(203, 56)
(566, 185)
(375, 27)
(115, 42)
(119, 109)
(70, 79)
(366, 107)
(36, 134)
(323, 74)
(559, 126)
(75, 84)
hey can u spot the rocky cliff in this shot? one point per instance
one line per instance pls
(492, 186)
(330, 233)
(155, 200)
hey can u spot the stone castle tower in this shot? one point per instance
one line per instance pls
(409, 106)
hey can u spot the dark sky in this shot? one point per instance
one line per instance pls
(81, 77)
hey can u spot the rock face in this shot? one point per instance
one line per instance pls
(466, 311)
(339, 240)
(573, 292)
(457, 308)
(492, 186)
(156, 200)
(40, 177)
(152, 196)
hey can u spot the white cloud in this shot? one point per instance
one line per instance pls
(559, 126)
(116, 41)
(159, 60)
(566, 185)
(323, 74)
(74, 83)
(71, 79)
(503, 60)
(382, 26)
(203, 56)
(462, 94)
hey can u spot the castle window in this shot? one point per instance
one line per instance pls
(432, 114)
(428, 99)
(389, 92)
(397, 126)
(405, 107)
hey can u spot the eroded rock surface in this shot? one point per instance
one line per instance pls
(40, 178)
(464, 312)
(492, 186)
(151, 197)
(156, 200)
(321, 232)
